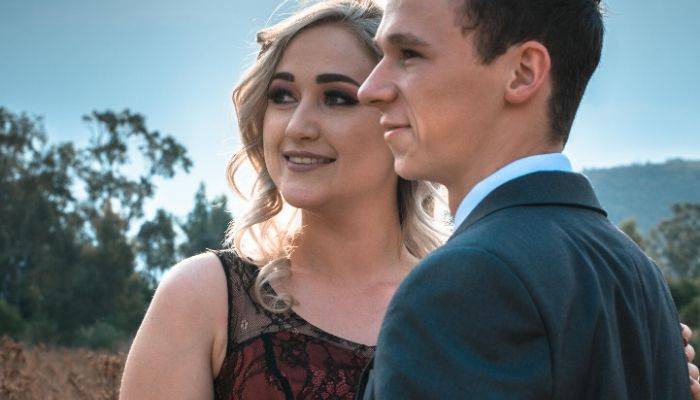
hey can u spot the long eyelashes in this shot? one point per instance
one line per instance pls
(330, 97)
(339, 98)
(280, 96)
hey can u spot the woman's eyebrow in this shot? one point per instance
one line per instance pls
(285, 76)
(328, 78)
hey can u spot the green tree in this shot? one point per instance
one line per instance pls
(66, 261)
(156, 244)
(676, 241)
(205, 226)
(690, 313)
(684, 291)
(103, 162)
(11, 322)
(40, 230)
(675, 244)
(629, 227)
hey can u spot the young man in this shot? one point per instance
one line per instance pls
(536, 295)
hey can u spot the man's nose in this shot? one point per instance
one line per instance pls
(378, 89)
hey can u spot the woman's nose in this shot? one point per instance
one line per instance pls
(304, 124)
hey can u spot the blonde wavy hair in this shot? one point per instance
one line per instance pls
(259, 235)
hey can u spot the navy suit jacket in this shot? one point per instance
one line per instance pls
(535, 296)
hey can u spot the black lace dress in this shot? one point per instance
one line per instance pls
(280, 356)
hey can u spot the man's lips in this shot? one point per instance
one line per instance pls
(394, 129)
(392, 126)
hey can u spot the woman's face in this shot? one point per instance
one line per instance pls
(321, 146)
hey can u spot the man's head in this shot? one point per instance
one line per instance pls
(571, 30)
(475, 84)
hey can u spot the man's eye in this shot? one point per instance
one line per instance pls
(408, 53)
(280, 96)
(338, 98)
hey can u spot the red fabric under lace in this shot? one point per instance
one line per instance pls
(281, 356)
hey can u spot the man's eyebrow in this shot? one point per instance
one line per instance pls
(406, 39)
(328, 78)
(285, 76)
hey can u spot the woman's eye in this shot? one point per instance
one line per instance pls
(338, 98)
(280, 96)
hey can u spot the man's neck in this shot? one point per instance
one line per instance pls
(514, 170)
(479, 169)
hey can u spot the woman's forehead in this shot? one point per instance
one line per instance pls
(329, 47)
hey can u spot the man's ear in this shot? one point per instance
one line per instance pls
(530, 70)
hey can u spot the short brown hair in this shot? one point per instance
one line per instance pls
(571, 30)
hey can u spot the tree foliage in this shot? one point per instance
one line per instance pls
(68, 268)
(205, 226)
(676, 241)
(675, 245)
(155, 243)
(629, 227)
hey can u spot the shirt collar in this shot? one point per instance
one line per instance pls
(516, 169)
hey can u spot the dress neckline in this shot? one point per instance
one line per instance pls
(329, 335)
(321, 332)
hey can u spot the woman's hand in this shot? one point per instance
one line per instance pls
(692, 368)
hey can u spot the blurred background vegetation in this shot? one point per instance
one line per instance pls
(79, 259)
(675, 246)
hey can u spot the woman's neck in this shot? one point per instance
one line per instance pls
(359, 241)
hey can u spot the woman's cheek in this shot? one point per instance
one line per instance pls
(271, 159)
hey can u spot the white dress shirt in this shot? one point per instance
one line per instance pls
(516, 169)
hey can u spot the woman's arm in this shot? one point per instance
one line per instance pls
(177, 349)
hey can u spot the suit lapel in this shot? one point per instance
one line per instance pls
(539, 188)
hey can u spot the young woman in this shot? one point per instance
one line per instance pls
(294, 308)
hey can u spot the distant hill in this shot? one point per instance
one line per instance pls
(646, 192)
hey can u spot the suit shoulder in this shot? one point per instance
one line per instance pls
(454, 255)
(463, 266)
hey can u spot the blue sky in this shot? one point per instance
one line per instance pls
(176, 62)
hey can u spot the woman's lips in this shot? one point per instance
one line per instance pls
(305, 164)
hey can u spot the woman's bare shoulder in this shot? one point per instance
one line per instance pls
(195, 287)
(200, 278)
(181, 336)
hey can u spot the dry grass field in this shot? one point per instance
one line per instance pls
(49, 373)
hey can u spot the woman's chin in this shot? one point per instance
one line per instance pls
(304, 199)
